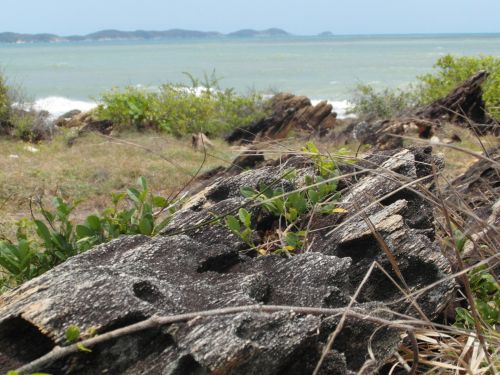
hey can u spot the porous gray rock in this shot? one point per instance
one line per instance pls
(198, 264)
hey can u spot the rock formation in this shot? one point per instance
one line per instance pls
(463, 106)
(289, 112)
(198, 264)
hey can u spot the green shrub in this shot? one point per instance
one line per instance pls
(42, 243)
(179, 110)
(384, 104)
(22, 126)
(4, 104)
(451, 71)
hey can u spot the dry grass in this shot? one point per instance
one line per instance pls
(93, 168)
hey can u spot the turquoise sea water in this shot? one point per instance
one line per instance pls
(319, 68)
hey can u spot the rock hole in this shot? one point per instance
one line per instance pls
(219, 193)
(417, 214)
(221, 263)
(359, 249)
(21, 342)
(128, 319)
(400, 195)
(187, 365)
(147, 291)
(416, 273)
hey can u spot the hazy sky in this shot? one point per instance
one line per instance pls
(299, 17)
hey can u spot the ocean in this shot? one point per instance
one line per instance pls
(62, 76)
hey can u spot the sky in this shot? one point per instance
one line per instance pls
(301, 17)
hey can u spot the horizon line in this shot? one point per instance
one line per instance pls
(260, 30)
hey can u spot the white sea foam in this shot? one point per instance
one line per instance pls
(57, 105)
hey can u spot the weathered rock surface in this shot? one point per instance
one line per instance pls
(476, 198)
(198, 264)
(463, 105)
(289, 112)
(85, 122)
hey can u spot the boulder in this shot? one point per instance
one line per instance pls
(288, 112)
(62, 120)
(198, 264)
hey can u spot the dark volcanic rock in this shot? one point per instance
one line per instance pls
(197, 264)
(463, 105)
(289, 112)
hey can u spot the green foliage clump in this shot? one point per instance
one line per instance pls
(180, 109)
(5, 103)
(486, 293)
(452, 70)
(41, 244)
(368, 102)
(293, 209)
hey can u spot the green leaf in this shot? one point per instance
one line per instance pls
(82, 231)
(146, 226)
(134, 195)
(311, 147)
(43, 232)
(72, 333)
(292, 239)
(143, 182)
(245, 217)
(117, 197)
(313, 196)
(233, 224)
(93, 222)
(82, 348)
(160, 202)
(248, 192)
(9, 265)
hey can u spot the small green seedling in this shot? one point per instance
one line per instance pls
(241, 226)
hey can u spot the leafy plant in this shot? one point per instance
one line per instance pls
(5, 103)
(293, 209)
(178, 109)
(241, 226)
(382, 104)
(43, 243)
(486, 293)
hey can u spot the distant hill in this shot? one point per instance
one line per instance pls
(8, 37)
(326, 34)
(250, 33)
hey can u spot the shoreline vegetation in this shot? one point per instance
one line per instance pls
(263, 181)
